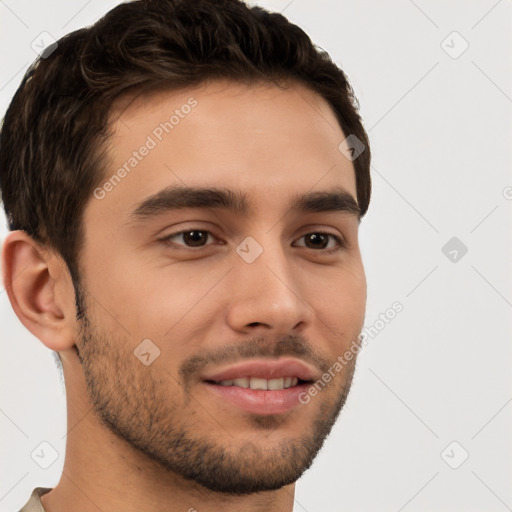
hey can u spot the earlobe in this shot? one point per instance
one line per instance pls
(39, 289)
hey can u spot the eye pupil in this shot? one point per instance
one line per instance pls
(318, 237)
(196, 240)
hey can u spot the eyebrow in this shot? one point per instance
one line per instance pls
(336, 199)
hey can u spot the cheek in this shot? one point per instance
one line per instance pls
(353, 294)
(340, 300)
(171, 305)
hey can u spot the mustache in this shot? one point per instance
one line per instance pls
(290, 345)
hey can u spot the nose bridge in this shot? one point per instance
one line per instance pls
(267, 289)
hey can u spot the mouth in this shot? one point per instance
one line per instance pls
(261, 387)
(260, 383)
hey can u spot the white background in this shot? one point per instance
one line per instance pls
(441, 132)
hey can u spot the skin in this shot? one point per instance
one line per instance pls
(123, 416)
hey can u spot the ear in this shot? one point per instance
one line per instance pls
(40, 290)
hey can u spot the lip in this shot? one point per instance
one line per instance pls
(265, 369)
(259, 401)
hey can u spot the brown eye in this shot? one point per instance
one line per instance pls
(319, 241)
(195, 238)
(190, 238)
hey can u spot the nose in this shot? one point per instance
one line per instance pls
(268, 295)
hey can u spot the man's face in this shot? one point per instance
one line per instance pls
(252, 295)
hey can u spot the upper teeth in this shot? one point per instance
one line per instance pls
(257, 383)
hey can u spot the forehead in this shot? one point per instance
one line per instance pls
(257, 138)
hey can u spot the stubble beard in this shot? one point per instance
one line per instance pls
(139, 410)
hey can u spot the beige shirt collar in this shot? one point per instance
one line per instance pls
(34, 503)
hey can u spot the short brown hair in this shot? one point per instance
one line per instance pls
(51, 151)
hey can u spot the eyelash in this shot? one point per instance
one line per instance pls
(341, 243)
